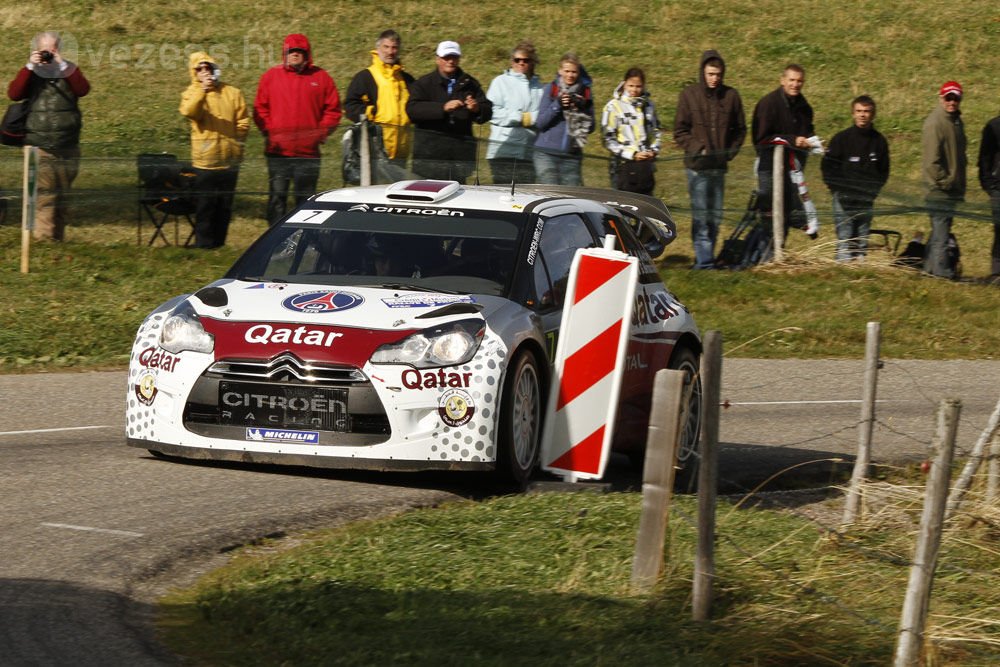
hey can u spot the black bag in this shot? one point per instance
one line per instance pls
(14, 126)
(636, 176)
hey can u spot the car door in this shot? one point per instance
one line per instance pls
(562, 235)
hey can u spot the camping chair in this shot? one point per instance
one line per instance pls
(164, 193)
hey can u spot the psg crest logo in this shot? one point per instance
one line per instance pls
(322, 302)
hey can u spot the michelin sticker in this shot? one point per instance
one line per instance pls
(456, 407)
(282, 435)
(426, 300)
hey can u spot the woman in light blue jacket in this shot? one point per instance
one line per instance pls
(516, 95)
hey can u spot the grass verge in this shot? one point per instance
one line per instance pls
(544, 580)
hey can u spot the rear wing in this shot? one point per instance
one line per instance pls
(629, 203)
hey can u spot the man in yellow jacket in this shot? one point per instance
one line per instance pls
(219, 126)
(380, 92)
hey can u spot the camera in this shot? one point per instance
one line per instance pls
(46, 56)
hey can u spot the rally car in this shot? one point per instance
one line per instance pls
(408, 326)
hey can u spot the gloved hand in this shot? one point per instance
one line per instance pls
(816, 145)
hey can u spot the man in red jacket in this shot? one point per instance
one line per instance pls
(296, 108)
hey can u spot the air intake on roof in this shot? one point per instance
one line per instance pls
(425, 191)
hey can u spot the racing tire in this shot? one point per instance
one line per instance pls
(685, 359)
(520, 421)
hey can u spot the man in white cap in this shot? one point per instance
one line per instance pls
(944, 161)
(443, 105)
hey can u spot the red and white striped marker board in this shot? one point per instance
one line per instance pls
(593, 338)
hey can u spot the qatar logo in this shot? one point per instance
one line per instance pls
(322, 302)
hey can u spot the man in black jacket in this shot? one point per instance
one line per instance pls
(710, 126)
(443, 105)
(783, 115)
(989, 179)
(855, 168)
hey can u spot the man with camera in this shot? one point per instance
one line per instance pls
(51, 85)
(220, 123)
(443, 105)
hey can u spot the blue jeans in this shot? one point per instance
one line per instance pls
(557, 168)
(853, 220)
(942, 211)
(707, 190)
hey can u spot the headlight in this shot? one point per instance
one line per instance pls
(446, 345)
(183, 331)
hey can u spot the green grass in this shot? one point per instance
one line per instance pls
(82, 301)
(545, 580)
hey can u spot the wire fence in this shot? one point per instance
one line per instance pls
(108, 180)
(908, 397)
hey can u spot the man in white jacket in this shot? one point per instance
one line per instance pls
(516, 96)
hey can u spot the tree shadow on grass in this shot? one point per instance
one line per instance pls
(329, 622)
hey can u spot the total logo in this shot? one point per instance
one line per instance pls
(322, 302)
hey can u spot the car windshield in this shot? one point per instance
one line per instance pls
(462, 252)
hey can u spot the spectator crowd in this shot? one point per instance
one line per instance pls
(423, 127)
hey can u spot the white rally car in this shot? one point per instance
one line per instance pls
(401, 327)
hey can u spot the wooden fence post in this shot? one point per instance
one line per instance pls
(866, 425)
(993, 479)
(778, 202)
(708, 473)
(918, 591)
(974, 461)
(657, 478)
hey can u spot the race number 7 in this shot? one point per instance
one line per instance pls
(311, 217)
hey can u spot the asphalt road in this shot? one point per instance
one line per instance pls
(93, 531)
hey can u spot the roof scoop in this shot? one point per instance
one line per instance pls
(422, 191)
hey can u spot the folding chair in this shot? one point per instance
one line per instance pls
(164, 193)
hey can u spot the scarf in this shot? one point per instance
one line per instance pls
(799, 179)
(578, 123)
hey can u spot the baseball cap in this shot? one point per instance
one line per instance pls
(448, 49)
(951, 88)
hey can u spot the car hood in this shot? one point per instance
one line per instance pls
(257, 320)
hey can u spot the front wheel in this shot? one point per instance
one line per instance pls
(520, 420)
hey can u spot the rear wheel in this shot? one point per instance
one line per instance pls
(684, 359)
(520, 420)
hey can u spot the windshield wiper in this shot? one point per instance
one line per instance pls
(411, 287)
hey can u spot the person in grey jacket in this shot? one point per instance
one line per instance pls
(710, 127)
(944, 162)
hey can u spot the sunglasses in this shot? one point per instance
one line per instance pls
(301, 51)
(521, 61)
(203, 68)
(952, 97)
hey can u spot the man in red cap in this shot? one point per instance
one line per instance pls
(944, 161)
(296, 108)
